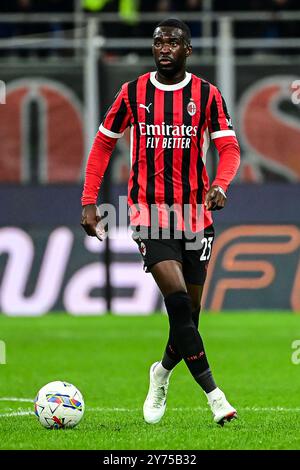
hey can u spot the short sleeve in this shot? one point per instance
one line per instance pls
(117, 116)
(219, 120)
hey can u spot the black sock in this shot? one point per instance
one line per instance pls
(195, 316)
(171, 355)
(206, 381)
(188, 341)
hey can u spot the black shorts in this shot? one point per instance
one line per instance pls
(194, 255)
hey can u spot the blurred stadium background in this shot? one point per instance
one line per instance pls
(61, 64)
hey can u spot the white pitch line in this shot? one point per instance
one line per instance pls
(16, 413)
(25, 400)
(136, 410)
(275, 408)
(248, 408)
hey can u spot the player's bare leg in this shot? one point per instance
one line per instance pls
(183, 306)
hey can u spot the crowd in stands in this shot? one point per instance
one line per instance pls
(131, 26)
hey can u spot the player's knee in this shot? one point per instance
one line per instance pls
(179, 308)
(184, 331)
(178, 302)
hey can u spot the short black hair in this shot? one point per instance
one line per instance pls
(177, 24)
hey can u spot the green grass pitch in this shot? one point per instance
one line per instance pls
(108, 359)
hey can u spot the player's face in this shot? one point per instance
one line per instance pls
(170, 50)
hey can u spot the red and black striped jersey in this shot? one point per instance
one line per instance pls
(171, 128)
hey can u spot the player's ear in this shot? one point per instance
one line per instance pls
(189, 50)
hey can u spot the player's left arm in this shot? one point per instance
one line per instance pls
(223, 135)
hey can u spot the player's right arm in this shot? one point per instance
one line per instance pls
(111, 129)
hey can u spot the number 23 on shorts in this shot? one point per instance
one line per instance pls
(206, 248)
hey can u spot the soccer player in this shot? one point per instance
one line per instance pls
(172, 115)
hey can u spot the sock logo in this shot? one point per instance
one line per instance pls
(195, 356)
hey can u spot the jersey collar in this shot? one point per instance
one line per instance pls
(176, 86)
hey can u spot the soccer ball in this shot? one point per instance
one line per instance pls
(59, 405)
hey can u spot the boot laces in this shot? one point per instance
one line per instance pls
(159, 395)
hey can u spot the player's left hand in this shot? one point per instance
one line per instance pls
(215, 198)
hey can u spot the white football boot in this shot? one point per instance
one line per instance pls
(221, 409)
(155, 403)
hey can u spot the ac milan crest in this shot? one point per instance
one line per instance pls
(191, 107)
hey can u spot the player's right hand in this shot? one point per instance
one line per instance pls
(91, 221)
